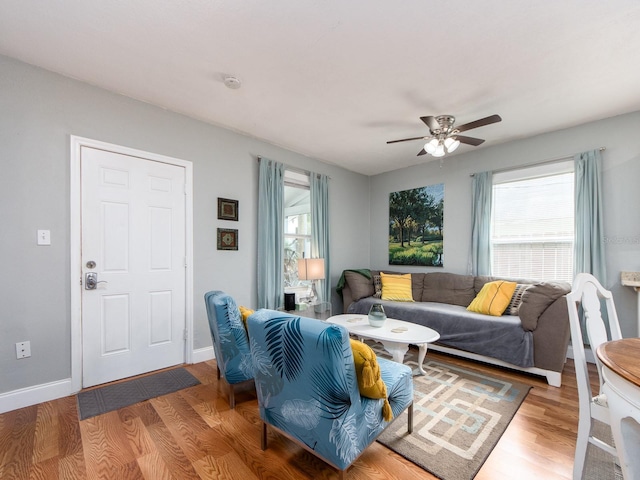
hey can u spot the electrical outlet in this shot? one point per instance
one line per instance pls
(23, 349)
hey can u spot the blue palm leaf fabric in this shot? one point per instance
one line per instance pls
(307, 386)
(284, 343)
(230, 341)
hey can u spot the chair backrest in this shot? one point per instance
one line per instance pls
(585, 301)
(306, 382)
(230, 340)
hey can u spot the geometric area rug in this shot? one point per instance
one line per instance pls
(122, 394)
(459, 414)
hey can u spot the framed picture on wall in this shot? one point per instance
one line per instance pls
(416, 226)
(227, 209)
(227, 239)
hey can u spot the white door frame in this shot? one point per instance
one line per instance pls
(76, 255)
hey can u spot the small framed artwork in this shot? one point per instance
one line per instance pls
(227, 239)
(227, 209)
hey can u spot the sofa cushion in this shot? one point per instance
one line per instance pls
(480, 280)
(448, 288)
(370, 381)
(360, 285)
(396, 287)
(498, 337)
(537, 298)
(493, 299)
(377, 286)
(516, 299)
(417, 284)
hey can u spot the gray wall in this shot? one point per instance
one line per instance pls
(39, 110)
(621, 173)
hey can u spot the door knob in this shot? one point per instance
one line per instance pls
(91, 281)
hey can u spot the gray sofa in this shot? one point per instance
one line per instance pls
(534, 341)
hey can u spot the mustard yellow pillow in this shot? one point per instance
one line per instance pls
(396, 287)
(494, 298)
(245, 312)
(370, 381)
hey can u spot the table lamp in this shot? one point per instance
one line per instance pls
(311, 269)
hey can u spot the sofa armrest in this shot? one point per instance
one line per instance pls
(347, 298)
(551, 336)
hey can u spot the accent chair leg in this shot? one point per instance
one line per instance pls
(218, 369)
(232, 397)
(341, 474)
(263, 440)
(410, 419)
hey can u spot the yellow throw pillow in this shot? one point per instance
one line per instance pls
(396, 287)
(494, 298)
(245, 312)
(369, 379)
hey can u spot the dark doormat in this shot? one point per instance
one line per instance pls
(118, 395)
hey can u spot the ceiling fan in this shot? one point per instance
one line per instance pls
(443, 134)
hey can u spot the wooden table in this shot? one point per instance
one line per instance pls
(394, 335)
(621, 373)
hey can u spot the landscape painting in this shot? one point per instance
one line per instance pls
(415, 226)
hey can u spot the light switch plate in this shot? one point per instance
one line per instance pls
(44, 237)
(630, 279)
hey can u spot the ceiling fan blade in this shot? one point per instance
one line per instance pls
(421, 152)
(406, 139)
(479, 123)
(469, 140)
(431, 122)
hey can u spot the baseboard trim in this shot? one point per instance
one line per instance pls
(588, 354)
(25, 397)
(203, 355)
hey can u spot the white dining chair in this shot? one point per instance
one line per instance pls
(586, 298)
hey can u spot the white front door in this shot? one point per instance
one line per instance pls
(133, 240)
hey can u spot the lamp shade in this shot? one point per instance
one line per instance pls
(311, 269)
(451, 144)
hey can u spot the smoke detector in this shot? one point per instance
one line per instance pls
(232, 82)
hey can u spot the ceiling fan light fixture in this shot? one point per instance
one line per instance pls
(451, 144)
(444, 134)
(439, 151)
(431, 146)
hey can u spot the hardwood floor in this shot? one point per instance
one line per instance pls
(192, 434)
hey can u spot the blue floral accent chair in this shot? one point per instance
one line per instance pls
(230, 341)
(307, 387)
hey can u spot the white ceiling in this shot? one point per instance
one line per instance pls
(336, 79)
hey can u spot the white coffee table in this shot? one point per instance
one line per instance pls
(395, 335)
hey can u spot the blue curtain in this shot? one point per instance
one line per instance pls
(481, 199)
(589, 233)
(319, 186)
(270, 234)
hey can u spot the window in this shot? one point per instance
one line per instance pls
(533, 223)
(297, 227)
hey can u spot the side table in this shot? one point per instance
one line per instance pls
(317, 310)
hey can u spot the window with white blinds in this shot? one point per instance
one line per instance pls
(533, 223)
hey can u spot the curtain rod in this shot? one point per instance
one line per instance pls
(535, 164)
(296, 169)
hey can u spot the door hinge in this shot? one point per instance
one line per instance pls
(186, 336)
